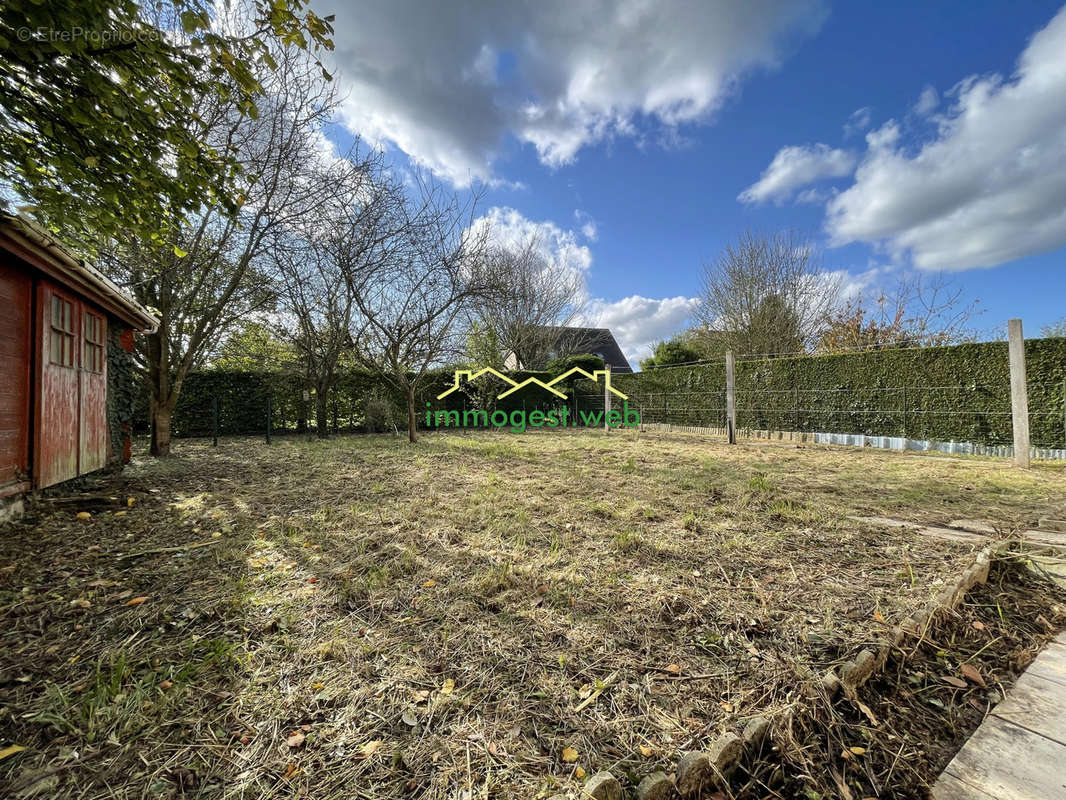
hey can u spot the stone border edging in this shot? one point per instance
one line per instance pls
(867, 663)
(701, 771)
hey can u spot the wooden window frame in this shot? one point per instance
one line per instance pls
(93, 357)
(62, 331)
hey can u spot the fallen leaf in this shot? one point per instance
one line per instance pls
(857, 750)
(100, 582)
(312, 580)
(164, 685)
(409, 717)
(318, 685)
(978, 625)
(569, 755)
(136, 601)
(371, 747)
(11, 750)
(727, 707)
(84, 515)
(865, 709)
(673, 669)
(645, 750)
(290, 771)
(878, 615)
(448, 687)
(429, 584)
(953, 681)
(972, 674)
(579, 773)
(846, 755)
(129, 502)
(80, 602)
(296, 738)
(120, 513)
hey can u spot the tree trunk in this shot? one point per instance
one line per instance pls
(411, 435)
(321, 412)
(160, 446)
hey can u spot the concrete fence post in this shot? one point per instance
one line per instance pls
(1019, 399)
(730, 398)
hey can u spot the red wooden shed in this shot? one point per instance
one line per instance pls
(61, 323)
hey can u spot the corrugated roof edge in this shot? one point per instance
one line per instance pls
(57, 254)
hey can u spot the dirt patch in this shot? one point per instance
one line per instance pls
(494, 613)
(933, 693)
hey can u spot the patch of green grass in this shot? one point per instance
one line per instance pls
(628, 541)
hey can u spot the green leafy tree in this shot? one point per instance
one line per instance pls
(101, 123)
(255, 346)
(674, 351)
(483, 347)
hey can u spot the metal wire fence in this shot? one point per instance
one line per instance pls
(977, 413)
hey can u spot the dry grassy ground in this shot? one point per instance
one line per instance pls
(487, 615)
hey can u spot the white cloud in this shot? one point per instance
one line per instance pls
(858, 121)
(639, 322)
(448, 83)
(928, 100)
(588, 225)
(988, 189)
(797, 166)
(561, 248)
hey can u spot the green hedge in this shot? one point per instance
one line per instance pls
(242, 400)
(956, 393)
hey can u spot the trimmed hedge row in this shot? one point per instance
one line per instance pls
(359, 401)
(953, 393)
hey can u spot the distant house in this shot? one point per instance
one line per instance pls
(66, 336)
(575, 341)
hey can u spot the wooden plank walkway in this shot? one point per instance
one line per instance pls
(1019, 751)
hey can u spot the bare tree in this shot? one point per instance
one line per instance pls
(1055, 329)
(765, 294)
(531, 301)
(312, 262)
(210, 274)
(917, 311)
(415, 285)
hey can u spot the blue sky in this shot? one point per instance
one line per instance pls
(626, 134)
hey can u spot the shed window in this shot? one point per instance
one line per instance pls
(94, 343)
(61, 342)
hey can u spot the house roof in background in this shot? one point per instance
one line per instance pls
(596, 340)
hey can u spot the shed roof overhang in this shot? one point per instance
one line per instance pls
(36, 246)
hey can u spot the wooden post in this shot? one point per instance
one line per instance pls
(1019, 400)
(606, 397)
(730, 398)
